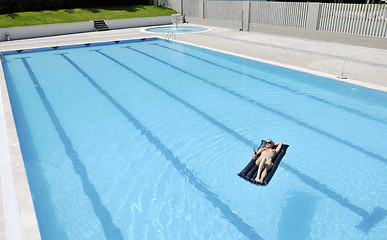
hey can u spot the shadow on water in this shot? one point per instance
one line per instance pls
(297, 216)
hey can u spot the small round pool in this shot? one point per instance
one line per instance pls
(181, 29)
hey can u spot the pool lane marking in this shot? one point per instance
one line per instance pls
(267, 108)
(111, 231)
(28, 149)
(353, 111)
(369, 220)
(228, 214)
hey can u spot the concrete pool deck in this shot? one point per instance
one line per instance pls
(363, 66)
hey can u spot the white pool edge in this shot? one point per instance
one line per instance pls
(16, 197)
(144, 30)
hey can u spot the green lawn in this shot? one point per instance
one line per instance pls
(81, 15)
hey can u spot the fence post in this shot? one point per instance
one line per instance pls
(313, 15)
(246, 15)
(201, 9)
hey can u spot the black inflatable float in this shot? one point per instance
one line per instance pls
(249, 173)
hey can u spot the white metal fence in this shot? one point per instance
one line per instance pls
(354, 18)
(191, 8)
(223, 10)
(361, 19)
(291, 14)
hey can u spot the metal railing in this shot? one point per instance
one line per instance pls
(223, 10)
(291, 14)
(363, 19)
(360, 19)
(170, 35)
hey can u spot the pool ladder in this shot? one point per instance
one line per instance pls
(2, 57)
(170, 35)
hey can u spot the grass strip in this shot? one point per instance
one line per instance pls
(81, 15)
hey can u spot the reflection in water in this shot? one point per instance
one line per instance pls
(296, 216)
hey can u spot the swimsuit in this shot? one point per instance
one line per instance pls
(268, 162)
(273, 150)
(264, 149)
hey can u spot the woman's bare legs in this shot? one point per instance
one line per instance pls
(262, 170)
(264, 173)
(261, 166)
(258, 161)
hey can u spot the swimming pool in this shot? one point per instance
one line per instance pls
(143, 139)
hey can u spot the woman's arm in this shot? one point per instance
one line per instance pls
(279, 146)
(256, 153)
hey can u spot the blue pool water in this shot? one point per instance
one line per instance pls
(180, 29)
(144, 140)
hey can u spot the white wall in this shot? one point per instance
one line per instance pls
(68, 28)
(138, 22)
(45, 30)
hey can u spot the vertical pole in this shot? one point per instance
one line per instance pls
(342, 71)
(248, 16)
(312, 16)
(201, 9)
(368, 5)
(241, 29)
(245, 6)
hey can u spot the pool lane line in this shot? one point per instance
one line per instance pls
(28, 150)
(212, 197)
(111, 231)
(267, 108)
(369, 220)
(342, 107)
